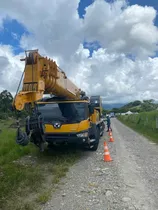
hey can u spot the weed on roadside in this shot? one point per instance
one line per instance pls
(43, 197)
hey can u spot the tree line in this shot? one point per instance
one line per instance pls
(6, 100)
(136, 106)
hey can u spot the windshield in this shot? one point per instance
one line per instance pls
(64, 112)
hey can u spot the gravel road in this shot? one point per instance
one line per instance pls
(130, 181)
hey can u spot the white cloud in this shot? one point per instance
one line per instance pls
(54, 25)
(56, 29)
(15, 36)
(11, 69)
(130, 30)
(117, 77)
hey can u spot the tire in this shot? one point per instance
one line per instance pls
(102, 134)
(94, 145)
(102, 129)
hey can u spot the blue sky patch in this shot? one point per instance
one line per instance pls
(11, 34)
(82, 5)
(91, 46)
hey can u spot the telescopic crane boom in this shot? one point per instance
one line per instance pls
(43, 76)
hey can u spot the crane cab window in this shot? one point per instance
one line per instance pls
(64, 112)
(95, 100)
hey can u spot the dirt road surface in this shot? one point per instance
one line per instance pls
(129, 182)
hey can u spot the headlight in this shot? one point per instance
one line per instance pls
(85, 134)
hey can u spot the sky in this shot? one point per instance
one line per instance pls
(107, 48)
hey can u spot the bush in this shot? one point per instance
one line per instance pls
(3, 116)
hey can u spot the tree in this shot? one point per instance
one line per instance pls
(105, 111)
(137, 103)
(150, 101)
(148, 105)
(116, 110)
(6, 99)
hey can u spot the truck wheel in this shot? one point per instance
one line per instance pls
(101, 134)
(94, 145)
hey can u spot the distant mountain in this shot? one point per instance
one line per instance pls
(111, 106)
(135, 106)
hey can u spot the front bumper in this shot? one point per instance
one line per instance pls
(65, 138)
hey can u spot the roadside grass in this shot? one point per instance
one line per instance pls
(143, 123)
(43, 197)
(28, 177)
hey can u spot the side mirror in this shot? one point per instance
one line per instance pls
(91, 109)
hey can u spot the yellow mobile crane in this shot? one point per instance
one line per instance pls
(68, 115)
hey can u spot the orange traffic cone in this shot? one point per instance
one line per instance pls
(111, 138)
(107, 157)
(110, 133)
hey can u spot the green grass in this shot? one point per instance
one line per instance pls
(26, 175)
(144, 123)
(43, 197)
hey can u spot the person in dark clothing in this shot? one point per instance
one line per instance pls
(108, 123)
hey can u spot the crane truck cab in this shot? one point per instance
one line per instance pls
(68, 115)
(67, 121)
